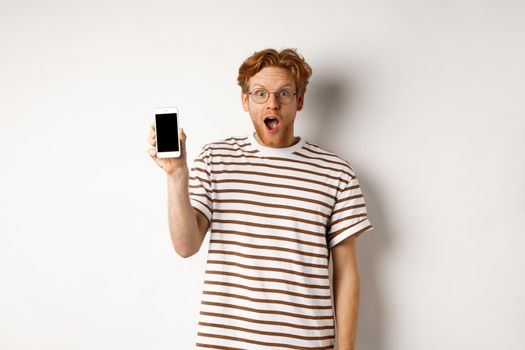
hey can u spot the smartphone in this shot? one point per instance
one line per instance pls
(167, 124)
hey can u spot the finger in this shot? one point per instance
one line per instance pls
(152, 152)
(182, 139)
(152, 141)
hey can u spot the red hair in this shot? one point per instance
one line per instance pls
(288, 59)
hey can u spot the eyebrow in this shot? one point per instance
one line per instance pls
(286, 85)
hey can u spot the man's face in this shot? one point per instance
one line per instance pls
(273, 79)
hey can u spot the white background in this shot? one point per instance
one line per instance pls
(423, 98)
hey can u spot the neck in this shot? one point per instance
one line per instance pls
(282, 143)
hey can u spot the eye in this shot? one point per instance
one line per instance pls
(260, 93)
(285, 93)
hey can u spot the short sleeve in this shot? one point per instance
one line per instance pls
(349, 215)
(200, 190)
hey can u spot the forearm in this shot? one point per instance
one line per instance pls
(181, 217)
(346, 302)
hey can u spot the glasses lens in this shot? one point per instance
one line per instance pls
(285, 96)
(260, 95)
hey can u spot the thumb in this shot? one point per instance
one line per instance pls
(182, 139)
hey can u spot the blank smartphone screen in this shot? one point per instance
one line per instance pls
(167, 132)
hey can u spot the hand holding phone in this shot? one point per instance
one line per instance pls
(167, 127)
(171, 164)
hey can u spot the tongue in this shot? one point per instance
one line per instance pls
(272, 124)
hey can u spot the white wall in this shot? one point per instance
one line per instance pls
(423, 98)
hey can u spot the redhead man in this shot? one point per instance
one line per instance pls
(276, 207)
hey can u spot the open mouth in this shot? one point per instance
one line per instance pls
(271, 123)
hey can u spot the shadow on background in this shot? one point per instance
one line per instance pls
(330, 102)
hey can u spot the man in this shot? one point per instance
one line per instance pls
(276, 206)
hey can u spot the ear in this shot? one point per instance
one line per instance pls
(300, 102)
(245, 101)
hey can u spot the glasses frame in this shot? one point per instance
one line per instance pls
(269, 93)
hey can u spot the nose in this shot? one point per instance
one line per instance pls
(273, 102)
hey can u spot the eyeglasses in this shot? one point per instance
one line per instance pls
(284, 96)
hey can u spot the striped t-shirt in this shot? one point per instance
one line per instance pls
(275, 213)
